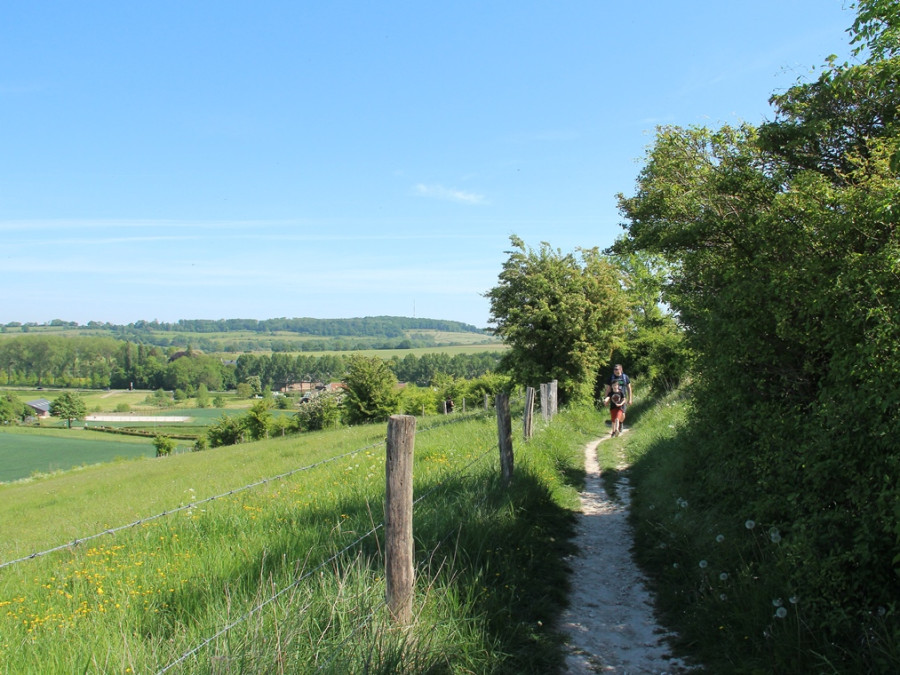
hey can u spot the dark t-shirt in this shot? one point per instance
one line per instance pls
(617, 399)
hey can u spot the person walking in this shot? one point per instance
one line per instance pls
(616, 402)
(618, 375)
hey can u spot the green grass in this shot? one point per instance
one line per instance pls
(25, 452)
(490, 582)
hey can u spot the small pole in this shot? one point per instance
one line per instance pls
(486, 401)
(528, 418)
(398, 532)
(553, 399)
(545, 402)
(504, 432)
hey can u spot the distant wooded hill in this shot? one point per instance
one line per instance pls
(277, 335)
(369, 326)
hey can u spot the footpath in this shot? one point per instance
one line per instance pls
(610, 620)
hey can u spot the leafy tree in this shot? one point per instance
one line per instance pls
(561, 315)
(258, 419)
(11, 409)
(226, 431)
(69, 406)
(783, 245)
(320, 412)
(372, 393)
(202, 396)
(654, 347)
(164, 445)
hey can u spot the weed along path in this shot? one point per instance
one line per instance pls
(609, 622)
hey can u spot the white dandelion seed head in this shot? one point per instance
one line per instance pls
(723, 576)
(774, 535)
(703, 564)
(720, 538)
(750, 524)
(781, 612)
(722, 596)
(777, 602)
(794, 599)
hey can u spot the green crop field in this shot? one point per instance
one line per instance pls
(26, 452)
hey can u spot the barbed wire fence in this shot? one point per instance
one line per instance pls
(335, 651)
(228, 493)
(336, 556)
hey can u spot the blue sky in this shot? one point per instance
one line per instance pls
(182, 160)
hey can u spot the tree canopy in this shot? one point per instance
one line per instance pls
(372, 393)
(69, 406)
(783, 246)
(561, 315)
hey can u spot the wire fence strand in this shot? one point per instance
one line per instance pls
(199, 647)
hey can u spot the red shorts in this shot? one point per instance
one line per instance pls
(617, 414)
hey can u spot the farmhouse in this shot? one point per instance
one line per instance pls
(41, 407)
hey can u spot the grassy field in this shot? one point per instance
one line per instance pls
(26, 452)
(294, 565)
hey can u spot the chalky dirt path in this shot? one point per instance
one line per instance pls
(610, 620)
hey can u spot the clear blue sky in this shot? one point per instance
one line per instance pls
(182, 160)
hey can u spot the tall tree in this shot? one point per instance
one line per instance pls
(372, 393)
(561, 315)
(69, 406)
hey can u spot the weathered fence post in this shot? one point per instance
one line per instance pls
(545, 402)
(398, 533)
(528, 417)
(486, 401)
(553, 399)
(504, 432)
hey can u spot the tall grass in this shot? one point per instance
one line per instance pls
(724, 578)
(288, 576)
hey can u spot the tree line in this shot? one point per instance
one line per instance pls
(370, 326)
(100, 362)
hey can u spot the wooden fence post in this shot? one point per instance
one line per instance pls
(398, 532)
(528, 417)
(487, 399)
(553, 399)
(504, 432)
(545, 402)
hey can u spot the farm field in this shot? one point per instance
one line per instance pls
(25, 452)
(176, 548)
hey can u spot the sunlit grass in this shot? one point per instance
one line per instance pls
(262, 561)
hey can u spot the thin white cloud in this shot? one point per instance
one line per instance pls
(434, 191)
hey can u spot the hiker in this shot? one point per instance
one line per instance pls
(616, 401)
(624, 384)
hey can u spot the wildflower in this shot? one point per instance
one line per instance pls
(703, 564)
(723, 576)
(750, 524)
(774, 535)
(781, 612)
(674, 566)
(723, 597)
(794, 599)
(777, 602)
(720, 538)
